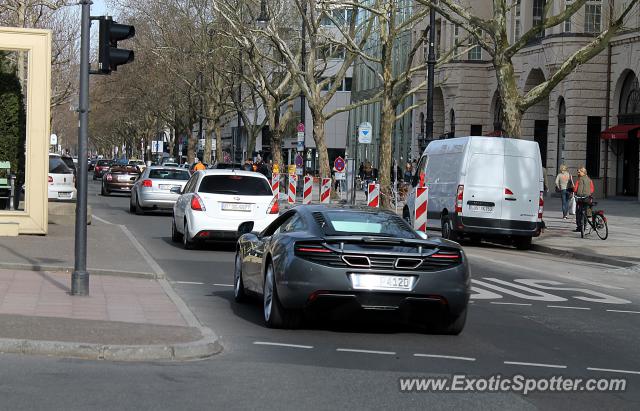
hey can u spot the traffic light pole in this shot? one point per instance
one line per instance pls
(80, 275)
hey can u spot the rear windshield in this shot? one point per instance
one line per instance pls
(366, 223)
(69, 162)
(125, 169)
(103, 162)
(57, 166)
(169, 174)
(235, 184)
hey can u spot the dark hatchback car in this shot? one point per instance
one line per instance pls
(101, 168)
(119, 179)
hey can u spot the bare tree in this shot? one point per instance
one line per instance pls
(493, 36)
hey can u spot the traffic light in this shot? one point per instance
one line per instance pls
(109, 55)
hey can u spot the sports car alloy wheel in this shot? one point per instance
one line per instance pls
(275, 315)
(238, 284)
(268, 295)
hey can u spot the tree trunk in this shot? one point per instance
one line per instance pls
(207, 143)
(321, 146)
(251, 140)
(191, 145)
(218, 130)
(510, 97)
(275, 136)
(388, 113)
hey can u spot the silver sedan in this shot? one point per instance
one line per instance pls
(152, 191)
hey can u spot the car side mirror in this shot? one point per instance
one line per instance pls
(245, 228)
(176, 190)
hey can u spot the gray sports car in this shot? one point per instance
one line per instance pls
(328, 258)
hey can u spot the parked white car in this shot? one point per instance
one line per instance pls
(61, 180)
(214, 203)
(482, 187)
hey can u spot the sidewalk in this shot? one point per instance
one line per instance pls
(621, 248)
(131, 313)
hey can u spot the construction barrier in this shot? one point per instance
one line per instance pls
(325, 191)
(422, 199)
(293, 181)
(307, 190)
(373, 195)
(275, 183)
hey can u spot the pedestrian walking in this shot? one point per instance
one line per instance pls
(564, 186)
(199, 166)
(583, 191)
(408, 173)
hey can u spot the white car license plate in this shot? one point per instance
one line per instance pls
(381, 282)
(165, 186)
(236, 207)
(65, 195)
(481, 209)
(124, 178)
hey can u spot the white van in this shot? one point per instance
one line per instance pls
(482, 187)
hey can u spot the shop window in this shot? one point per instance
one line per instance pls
(594, 127)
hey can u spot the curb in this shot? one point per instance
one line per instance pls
(69, 269)
(201, 349)
(582, 256)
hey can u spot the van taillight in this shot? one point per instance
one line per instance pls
(274, 207)
(508, 192)
(541, 205)
(50, 179)
(459, 196)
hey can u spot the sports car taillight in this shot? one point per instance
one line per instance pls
(197, 204)
(459, 196)
(146, 183)
(274, 207)
(109, 177)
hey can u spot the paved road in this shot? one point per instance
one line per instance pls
(532, 314)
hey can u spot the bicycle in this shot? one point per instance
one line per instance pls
(592, 220)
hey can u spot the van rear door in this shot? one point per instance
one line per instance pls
(522, 188)
(483, 186)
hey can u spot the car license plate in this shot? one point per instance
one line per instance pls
(236, 207)
(64, 195)
(124, 178)
(481, 209)
(165, 186)
(381, 282)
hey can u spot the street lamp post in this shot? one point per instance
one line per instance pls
(431, 62)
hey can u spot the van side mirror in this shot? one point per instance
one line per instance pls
(245, 228)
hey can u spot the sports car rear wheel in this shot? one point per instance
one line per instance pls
(275, 315)
(238, 285)
(452, 325)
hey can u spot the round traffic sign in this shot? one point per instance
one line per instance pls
(338, 164)
(300, 127)
(299, 160)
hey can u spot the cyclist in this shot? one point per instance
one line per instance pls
(583, 190)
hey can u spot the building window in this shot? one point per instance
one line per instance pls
(456, 35)
(476, 130)
(594, 127)
(567, 22)
(476, 52)
(562, 122)
(452, 123)
(592, 16)
(538, 14)
(347, 84)
(517, 27)
(629, 111)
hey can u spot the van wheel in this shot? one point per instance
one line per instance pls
(522, 243)
(447, 230)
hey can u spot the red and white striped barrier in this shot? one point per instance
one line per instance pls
(325, 191)
(307, 190)
(275, 183)
(373, 195)
(422, 199)
(293, 181)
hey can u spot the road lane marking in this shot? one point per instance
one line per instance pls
(223, 285)
(188, 282)
(624, 311)
(612, 370)
(365, 351)
(534, 364)
(595, 296)
(448, 357)
(568, 307)
(501, 303)
(306, 347)
(102, 220)
(534, 294)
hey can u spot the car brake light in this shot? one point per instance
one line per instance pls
(50, 179)
(146, 183)
(459, 196)
(311, 248)
(197, 204)
(541, 205)
(445, 256)
(508, 192)
(274, 207)
(109, 177)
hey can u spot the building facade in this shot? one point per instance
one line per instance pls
(576, 124)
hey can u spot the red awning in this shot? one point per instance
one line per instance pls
(495, 133)
(619, 132)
